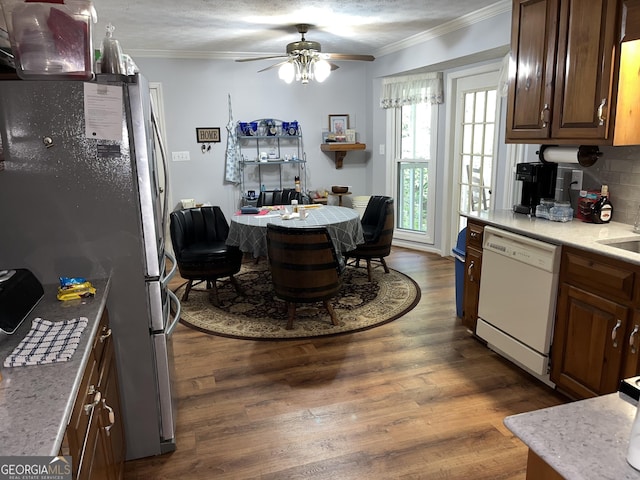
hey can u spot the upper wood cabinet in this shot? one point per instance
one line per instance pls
(564, 68)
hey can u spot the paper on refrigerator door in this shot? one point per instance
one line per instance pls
(103, 111)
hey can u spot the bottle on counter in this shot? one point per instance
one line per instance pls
(602, 209)
(297, 180)
(633, 453)
(636, 223)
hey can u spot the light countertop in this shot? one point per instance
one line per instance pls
(36, 401)
(587, 236)
(587, 439)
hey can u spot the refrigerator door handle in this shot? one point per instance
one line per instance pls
(174, 267)
(176, 318)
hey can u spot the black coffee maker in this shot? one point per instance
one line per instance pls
(538, 181)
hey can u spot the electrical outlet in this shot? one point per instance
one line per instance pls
(576, 176)
(180, 156)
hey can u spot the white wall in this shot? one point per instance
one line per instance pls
(196, 95)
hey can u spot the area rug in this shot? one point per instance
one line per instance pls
(259, 315)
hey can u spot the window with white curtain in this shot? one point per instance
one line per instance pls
(412, 101)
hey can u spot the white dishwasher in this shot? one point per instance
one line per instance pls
(518, 290)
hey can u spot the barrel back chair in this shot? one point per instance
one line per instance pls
(378, 222)
(199, 241)
(304, 267)
(278, 197)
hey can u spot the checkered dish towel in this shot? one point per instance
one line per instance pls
(47, 342)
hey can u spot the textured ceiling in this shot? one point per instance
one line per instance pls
(247, 27)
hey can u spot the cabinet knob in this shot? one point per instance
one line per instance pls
(632, 339)
(105, 336)
(96, 400)
(614, 333)
(602, 115)
(112, 417)
(544, 115)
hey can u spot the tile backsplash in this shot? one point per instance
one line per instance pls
(619, 168)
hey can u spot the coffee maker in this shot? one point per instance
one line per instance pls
(538, 181)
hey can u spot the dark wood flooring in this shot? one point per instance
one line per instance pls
(418, 398)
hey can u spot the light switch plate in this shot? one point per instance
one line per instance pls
(180, 156)
(381, 149)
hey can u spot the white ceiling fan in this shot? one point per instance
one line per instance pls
(305, 60)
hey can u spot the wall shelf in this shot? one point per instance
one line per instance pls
(340, 150)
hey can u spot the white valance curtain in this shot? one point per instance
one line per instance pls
(412, 89)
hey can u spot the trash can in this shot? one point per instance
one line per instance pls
(460, 254)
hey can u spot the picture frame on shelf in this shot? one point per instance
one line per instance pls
(350, 135)
(338, 123)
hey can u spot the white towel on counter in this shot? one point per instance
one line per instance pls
(47, 342)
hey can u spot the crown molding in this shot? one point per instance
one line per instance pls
(449, 27)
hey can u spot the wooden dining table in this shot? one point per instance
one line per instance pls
(249, 231)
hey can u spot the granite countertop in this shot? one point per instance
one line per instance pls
(587, 439)
(587, 236)
(36, 401)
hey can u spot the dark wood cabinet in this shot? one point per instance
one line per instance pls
(473, 271)
(563, 87)
(595, 342)
(95, 436)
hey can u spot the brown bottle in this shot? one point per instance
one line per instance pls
(602, 210)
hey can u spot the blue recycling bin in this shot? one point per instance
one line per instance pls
(460, 253)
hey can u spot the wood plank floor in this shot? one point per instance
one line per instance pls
(418, 398)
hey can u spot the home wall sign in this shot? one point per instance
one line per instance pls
(208, 135)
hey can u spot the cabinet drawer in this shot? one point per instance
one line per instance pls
(475, 232)
(598, 274)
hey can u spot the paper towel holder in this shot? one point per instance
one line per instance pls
(586, 155)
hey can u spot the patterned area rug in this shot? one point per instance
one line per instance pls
(259, 315)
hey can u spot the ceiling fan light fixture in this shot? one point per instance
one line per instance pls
(287, 72)
(321, 70)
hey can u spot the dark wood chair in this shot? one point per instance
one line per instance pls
(378, 222)
(198, 236)
(304, 267)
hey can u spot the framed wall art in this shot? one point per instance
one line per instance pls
(208, 135)
(338, 123)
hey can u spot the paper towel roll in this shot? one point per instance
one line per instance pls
(584, 155)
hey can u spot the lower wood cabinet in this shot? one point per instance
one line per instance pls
(588, 343)
(595, 342)
(473, 270)
(95, 435)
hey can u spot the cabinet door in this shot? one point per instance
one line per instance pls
(533, 54)
(583, 84)
(473, 270)
(588, 342)
(111, 430)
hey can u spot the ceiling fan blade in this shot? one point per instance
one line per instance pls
(259, 58)
(273, 66)
(346, 56)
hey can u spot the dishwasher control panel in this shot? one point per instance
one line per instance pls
(527, 250)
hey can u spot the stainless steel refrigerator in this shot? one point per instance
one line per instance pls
(79, 196)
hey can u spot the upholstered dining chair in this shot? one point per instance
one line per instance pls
(304, 267)
(198, 236)
(378, 223)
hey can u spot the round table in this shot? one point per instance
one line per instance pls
(249, 232)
